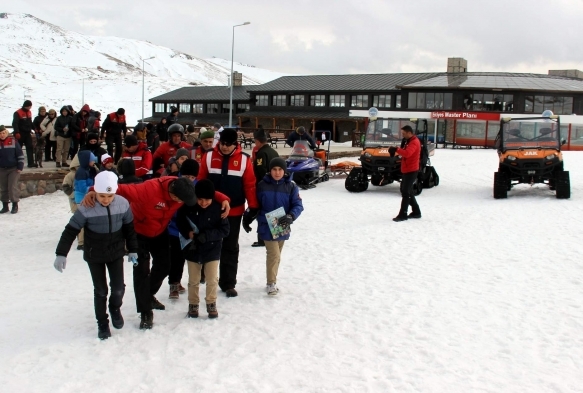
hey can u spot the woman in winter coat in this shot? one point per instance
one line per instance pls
(63, 132)
(162, 130)
(94, 147)
(48, 131)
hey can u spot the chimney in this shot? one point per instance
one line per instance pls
(457, 64)
(567, 73)
(237, 79)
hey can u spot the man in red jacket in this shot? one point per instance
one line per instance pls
(167, 150)
(410, 156)
(139, 153)
(153, 204)
(114, 127)
(22, 126)
(231, 171)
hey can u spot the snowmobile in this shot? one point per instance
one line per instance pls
(529, 151)
(308, 167)
(379, 167)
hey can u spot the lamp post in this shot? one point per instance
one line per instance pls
(231, 77)
(143, 62)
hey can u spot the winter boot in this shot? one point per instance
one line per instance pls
(211, 309)
(414, 214)
(231, 292)
(116, 318)
(65, 165)
(181, 289)
(400, 217)
(58, 164)
(192, 311)
(272, 289)
(173, 292)
(156, 305)
(14, 208)
(4, 208)
(146, 320)
(103, 331)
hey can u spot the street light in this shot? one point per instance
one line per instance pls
(231, 77)
(143, 62)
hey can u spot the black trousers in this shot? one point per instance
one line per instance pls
(176, 261)
(116, 283)
(148, 281)
(74, 148)
(26, 141)
(50, 150)
(408, 194)
(229, 262)
(110, 140)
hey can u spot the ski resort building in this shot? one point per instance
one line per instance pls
(463, 108)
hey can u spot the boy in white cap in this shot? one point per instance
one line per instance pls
(108, 227)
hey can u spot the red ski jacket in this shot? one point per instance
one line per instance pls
(167, 150)
(234, 178)
(142, 159)
(152, 206)
(410, 155)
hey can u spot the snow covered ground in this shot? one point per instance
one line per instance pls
(480, 295)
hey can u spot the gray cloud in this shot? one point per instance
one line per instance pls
(342, 36)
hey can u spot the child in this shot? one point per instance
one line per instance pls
(127, 172)
(175, 163)
(108, 226)
(203, 224)
(274, 191)
(39, 149)
(68, 189)
(107, 164)
(85, 174)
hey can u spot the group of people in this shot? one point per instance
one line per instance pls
(185, 202)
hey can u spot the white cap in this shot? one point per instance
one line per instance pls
(105, 183)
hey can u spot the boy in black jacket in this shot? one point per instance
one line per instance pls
(202, 223)
(108, 226)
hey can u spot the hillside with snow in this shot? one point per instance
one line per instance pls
(55, 67)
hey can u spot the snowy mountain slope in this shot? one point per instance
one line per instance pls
(50, 65)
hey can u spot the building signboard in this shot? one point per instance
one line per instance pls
(464, 115)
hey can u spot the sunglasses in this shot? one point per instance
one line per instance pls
(227, 143)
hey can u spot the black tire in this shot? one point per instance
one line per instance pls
(500, 185)
(429, 177)
(563, 185)
(418, 187)
(436, 180)
(357, 181)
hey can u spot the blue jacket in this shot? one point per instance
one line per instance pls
(11, 154)
(85, 175)
(273, 194)
(209, 222)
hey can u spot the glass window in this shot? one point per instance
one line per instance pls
(212, 108)
(296, 100)
(471, 129)
(539, 102)
(318, 100)
(529, 104)
(184, 108)
(197, 108)
(159, 107)
(508, 103)
(420, 100)
(359, 101)
(438, 101)
(412, 100)
(262, 100)
(429, 100)
(168, 106)
(225, 108)
(398, 101)
(468, 102)
(279, 100)
(241, 108)
(338, 101)
(567, 105)
(382, 101)
(447, 100)
(478, 102)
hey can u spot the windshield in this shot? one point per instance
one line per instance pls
(301, 150)
(530, 134)
(383, 132)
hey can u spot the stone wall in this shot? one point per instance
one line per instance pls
(40, 183)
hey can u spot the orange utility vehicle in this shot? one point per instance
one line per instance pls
(529, 151)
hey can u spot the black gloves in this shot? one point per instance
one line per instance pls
(201, 238)
(248, 217)
(392, 151)
(285, 220)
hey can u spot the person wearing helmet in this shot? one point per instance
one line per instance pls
(167, 150)
(300, 134)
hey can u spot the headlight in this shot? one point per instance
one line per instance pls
(550, 157)
(511, 158)
(367, 155)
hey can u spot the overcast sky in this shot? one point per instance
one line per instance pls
(341, 36)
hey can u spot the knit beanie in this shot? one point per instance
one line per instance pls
(183, 189)
(106, 159)
(121, 111)
(277, 162)
(27, 103)
(130, 141)
(229, 135)
(92, 136)
(182, 152)
(105, 183)
(206, 134)
(189, 167)
(204, 189)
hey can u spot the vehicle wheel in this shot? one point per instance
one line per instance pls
(429, 177)
(376, 179)
(563, 185)
(357, 181)
(418, 187)
(500, 185)
(326, 177)
(436, 180)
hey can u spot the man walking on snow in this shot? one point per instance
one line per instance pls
(410, 155)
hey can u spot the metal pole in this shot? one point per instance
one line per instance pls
(143, 62)
(83, 93)
(231, 76)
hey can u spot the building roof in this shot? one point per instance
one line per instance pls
(344, 83)
(202, 118)
(499, 80)
(298, 114)
(204, 93)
